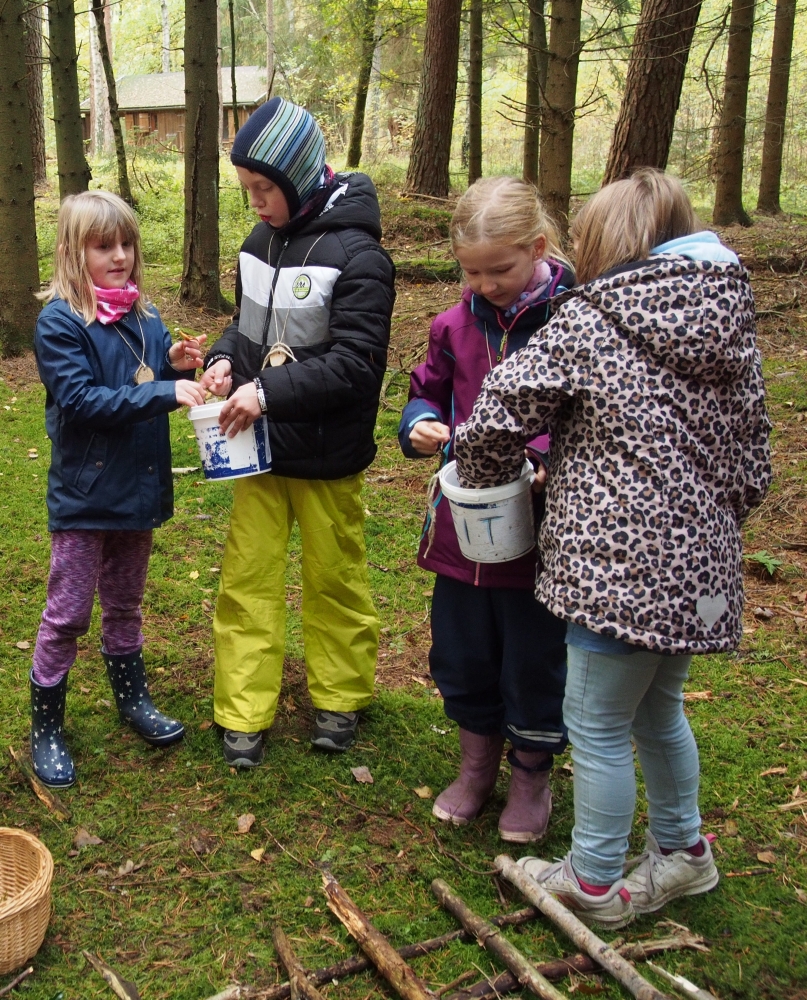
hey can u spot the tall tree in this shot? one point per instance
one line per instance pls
(558, 108)
(112, 94)
(236, 124)
(658, 59)
(102, 138)
(770, 175)
(368, 16)
(19, 272)
(165, 48)
(36, 100)
(200, 272)
(476, 42)
(728, 207)
(270, 46)
(74, 173)
(537, 60)
(434, 120)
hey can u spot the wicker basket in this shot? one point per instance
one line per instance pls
(26, 869)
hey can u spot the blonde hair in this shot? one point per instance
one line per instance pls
(83, 217)
(623, 221)
(504, 211)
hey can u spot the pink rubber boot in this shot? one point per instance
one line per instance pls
(529, 801)
(462, 800)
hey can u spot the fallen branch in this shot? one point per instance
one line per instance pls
(46, 797)
(383, 956)
(231, 993)
(574, 928)
(358, 963)
(301, 988)
(120, 987)
(683, 985)
(16, 982)
(493, 941)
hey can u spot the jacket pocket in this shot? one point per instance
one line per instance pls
(93, 463)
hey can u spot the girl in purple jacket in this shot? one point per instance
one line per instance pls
(497, 656)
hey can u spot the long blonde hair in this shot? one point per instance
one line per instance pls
(84, 217)
(504, 211)
(623, 221)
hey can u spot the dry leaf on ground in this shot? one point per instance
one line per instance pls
(362, 775)
(424, 792)
(773, 770)
(23, 645)
(245, 822)
(697, 695)
(766, 857)
(730, 828)
(207, 724)
(258, 853)
(84, 838)
(126, 867)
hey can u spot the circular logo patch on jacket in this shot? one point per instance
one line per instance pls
(301, 286)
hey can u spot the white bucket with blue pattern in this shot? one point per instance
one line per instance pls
(245, 454)
(493, 524)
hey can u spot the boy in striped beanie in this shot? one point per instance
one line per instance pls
(307, 348)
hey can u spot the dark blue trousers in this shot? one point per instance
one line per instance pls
(498, 658)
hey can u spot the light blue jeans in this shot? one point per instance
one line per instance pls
(608, 700)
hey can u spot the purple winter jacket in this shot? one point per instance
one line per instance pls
(464, 345)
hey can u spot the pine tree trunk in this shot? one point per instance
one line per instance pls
(476, 39)
(19, 270)
(236, 125)
(74, 173)
(770, 175)
(112, 93)
(537, 58)
(434, 120)
(658, 59)
(557, 112)
(731, 137)
(102, 138)
(363, 83)
(375, 101)
(270, 45)
(36, 100)
(165, 49)
(200, 274)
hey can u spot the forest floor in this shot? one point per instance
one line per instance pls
(152, 873)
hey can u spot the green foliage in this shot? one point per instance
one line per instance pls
(763, 558)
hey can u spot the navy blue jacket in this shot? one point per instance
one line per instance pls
(110, 449)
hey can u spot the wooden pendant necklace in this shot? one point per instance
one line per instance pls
(143, 373)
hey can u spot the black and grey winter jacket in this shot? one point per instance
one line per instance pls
(324, 287)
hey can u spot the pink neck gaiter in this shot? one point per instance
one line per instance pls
(114, 303)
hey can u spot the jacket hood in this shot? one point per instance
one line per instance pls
(678, 311)
(351, 204)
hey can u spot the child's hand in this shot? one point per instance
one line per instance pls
(241, 410)
(186, 354)
(217, 378)
(428, 436)
(539, 483)
(189, 393)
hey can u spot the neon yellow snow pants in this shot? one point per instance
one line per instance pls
(340, 624)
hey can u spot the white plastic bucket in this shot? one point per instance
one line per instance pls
(494, 524)
(246, 454)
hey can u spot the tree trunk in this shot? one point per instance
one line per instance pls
(434, 120)
(375, 101)
(557, 112)
(658, 59)
(363, 82)
(236, 125)
(74, 173)
(537, 58)
(731, 136)
(112, 93)
(200, 273)
(476, 39)
(102, 138)
(19, 270)
(770, 175)
(165, 51)
(270, 45)
(36, 101)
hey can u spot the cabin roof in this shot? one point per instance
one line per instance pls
(162, 91)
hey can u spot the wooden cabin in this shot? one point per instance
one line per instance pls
(152, 105)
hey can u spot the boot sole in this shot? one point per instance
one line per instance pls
(447, 817)
(55, 788)
(526, 836)
(159, 741)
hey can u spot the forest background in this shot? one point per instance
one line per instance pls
(159, 868)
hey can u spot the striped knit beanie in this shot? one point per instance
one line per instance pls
(283, 142)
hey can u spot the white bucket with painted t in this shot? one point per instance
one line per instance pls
(494, 524)
(245, 454)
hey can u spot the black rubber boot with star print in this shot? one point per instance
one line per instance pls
(52, 762)
(127, 676)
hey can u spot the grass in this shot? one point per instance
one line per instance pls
(196, 909)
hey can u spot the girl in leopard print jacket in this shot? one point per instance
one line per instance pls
(649, 380)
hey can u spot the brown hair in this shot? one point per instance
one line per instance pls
(84, 217)
(623, 221)
(504, 211)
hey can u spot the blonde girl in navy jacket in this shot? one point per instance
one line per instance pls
(112, 376)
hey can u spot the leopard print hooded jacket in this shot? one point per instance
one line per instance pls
(651, 383)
